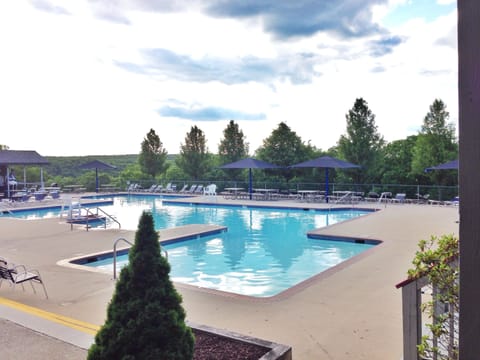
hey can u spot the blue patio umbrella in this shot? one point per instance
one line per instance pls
(249, 163)
(326, 162)
(450, 165)
(96, 164)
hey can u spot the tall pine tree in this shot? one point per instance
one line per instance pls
(232, 147)
(194, 158)
(153, 156)
(362, 144)
(435, 144)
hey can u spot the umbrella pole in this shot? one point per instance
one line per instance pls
(8, 182)
(96, 180)
(326, 185)
(250, 182)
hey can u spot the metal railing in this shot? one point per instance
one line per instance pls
(412, 191)
(115, 254)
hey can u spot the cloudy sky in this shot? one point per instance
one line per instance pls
(82, 77)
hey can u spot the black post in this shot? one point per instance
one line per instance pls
(469, 176)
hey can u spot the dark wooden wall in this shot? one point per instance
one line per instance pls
(469, 175)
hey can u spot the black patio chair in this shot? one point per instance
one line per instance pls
(18, 274)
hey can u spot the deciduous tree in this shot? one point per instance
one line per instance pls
(284, 147)
(398, 161)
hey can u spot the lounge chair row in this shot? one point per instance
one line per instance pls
(155, 188)
(199, 189)
(35, 195)
(19, 274)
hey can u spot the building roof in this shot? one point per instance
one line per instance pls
(21, 157)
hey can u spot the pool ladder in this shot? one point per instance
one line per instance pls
(115, 254)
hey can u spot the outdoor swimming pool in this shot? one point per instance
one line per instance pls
(264, 252)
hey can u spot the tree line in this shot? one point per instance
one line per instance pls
(398, 162)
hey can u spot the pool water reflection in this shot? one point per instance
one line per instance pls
(264, 252)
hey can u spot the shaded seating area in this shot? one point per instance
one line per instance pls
(11, 186)
(19, 274)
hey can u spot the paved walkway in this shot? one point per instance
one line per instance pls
(30, 333)
(350, 312)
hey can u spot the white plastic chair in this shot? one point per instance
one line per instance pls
(210, 190)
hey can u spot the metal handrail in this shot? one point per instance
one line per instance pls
(110, 216)
(115, 254)
(89, 211)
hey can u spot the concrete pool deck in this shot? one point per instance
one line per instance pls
(352, 311)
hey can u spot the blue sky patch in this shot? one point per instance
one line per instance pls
(208, 114)
(428, 10)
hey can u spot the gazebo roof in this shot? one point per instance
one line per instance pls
(21, 157)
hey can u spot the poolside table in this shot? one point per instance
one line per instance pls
(234, 191)
(74, 188)
(266, 193)
(307, 195)
(108, 188)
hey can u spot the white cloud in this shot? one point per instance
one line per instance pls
(64, 93)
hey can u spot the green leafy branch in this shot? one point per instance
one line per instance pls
(437, 258)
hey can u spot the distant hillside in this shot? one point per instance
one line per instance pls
(69, 165)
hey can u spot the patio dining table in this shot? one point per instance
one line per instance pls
(267, 193)
(306, 195)
(234, 191)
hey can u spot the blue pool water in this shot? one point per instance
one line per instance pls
(264, 252)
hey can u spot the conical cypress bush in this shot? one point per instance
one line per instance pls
(145, 319)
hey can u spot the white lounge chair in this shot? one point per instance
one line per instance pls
(169, 188)
(183, 189)
(192, 189)
(152, 188)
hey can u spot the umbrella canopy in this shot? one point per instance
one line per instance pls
(326, 162)
(249, 163)
(451, 165)
(96, 164)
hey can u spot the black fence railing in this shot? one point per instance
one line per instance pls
(434, 192)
